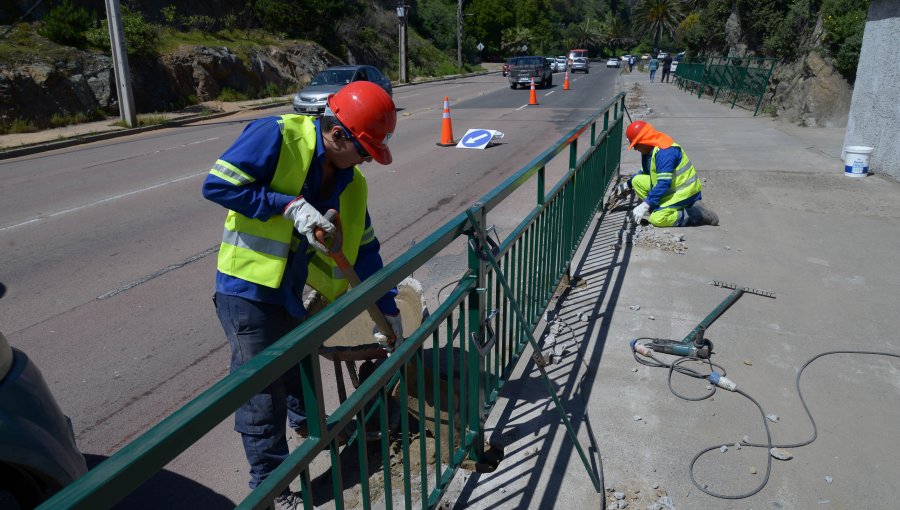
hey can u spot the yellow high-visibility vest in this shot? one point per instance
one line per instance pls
(257, 251)
(685, 182)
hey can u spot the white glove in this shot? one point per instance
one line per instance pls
(387, 343)
(638, 213)
(306, 218)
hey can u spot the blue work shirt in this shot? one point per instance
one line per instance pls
(667, 161)
(256, 152)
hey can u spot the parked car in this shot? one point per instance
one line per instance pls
(580, 64)
(38, 456)
(528, 68)
(509, 63)
(613, 62)
(561, 63)
(311, 100)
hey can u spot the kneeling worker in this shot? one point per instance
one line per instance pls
(668, 185)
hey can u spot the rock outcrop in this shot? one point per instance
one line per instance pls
(85, 82)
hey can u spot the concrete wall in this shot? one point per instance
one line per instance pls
(875, 108)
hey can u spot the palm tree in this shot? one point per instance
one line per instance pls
(512, 39)
(586, 34)
(658, 15)
(614, 32)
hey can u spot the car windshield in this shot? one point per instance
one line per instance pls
(333, 77)
(529, 61)
(579, 60)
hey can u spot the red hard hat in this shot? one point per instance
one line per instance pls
(634, 129)
(368, 112)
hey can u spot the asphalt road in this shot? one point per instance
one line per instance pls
(108, 256)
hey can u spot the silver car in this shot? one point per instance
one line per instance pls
(311, 100)
(38, 456)
(580, 64)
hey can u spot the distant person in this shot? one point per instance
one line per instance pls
(654, 65)
(667, 185)
(277, 180)
(666, 69)
(630, 63)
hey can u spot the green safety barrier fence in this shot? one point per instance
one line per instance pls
(745, 78)
(431, 397)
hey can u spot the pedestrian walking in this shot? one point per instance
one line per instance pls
(277, 180)
(630, 63)
(667, 185)
(653, 66)
(666, 69)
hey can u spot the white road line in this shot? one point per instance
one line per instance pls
(101, 201)
(523, 106)
(548, 93)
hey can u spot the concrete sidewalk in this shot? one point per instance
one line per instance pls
(790, 222)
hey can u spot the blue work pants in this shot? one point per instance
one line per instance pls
(252, 326)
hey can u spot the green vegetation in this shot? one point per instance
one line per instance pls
(66, 24)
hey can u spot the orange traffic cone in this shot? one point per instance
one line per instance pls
(446, 126)
(566, 81)
(532, 98)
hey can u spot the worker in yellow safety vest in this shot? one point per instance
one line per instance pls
(667, 185)
(277, 180)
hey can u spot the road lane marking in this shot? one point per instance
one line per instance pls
(101, 201)
(548, 93)
(523, 106)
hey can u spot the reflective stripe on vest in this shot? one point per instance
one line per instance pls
(685, 183)
(254, 250)
(324, 275)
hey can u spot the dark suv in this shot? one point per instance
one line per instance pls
(527, 68)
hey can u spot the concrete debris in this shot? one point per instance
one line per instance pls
(652, 318)
(709, 388)
(634, 307)
(781, 454)
(723, 448)
(651, 237)
(824, 501)
(737, 446)
(752, 470)
(619, 495)
(634, 370)
(666, 502)
(745, 439)
(748, 362)
(637, 417)
(656, 486)
(773, 418)
(828, 479)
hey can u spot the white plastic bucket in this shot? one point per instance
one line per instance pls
(856, 160)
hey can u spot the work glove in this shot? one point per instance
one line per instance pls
(638, 213)
(306, 219)
(386, 343)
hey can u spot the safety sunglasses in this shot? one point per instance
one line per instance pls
(359, 148)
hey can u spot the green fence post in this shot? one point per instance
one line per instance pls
(476, 332)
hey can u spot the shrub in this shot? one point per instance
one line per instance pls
(66, 24)
(141, 36)
(230, 95)
(844, 22)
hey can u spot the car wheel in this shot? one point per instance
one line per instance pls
(550, 82)
(512, 86)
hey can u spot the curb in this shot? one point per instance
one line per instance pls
(96, 137)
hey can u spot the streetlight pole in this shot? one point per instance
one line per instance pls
(402, 11)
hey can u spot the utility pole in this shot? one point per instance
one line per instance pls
(459, 33)
(120, 64)
(402, 11)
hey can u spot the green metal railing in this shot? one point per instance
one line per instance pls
(737, 78)
(447, 375)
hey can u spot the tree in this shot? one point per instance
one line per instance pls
(614, 32)
(586, 34)
(658, 16)
(513, 39)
